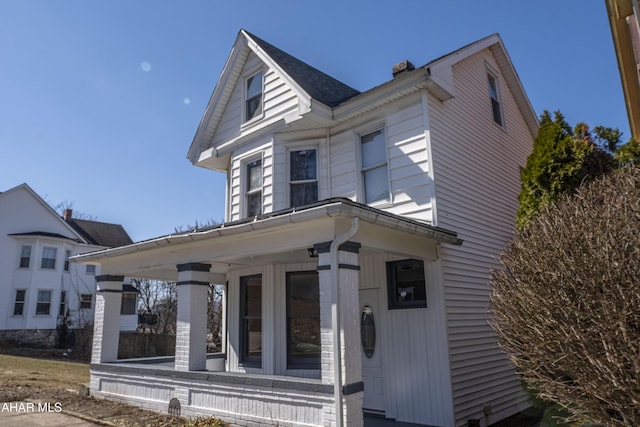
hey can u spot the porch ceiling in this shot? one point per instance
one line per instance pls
(279, 237)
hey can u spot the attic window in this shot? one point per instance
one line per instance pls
(495, 100)
(253, 102)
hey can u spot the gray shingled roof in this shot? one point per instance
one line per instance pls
(317, 84)
(101, 233)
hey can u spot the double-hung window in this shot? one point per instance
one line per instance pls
(43, 306)
(62, 309)
(128, 304)
(18, 305)
(49, 258)
(67, 254)
(253, 96)
(303, 177)
(251, 320)
(25, 256)
(253, 189)
(86, 300)
(90, 270)
(303, 320)
(495, 99)
(375, 176)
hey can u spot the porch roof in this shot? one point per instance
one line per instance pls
(290, 224)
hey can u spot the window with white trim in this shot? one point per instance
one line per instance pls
(406, 286)
(253, 96)
(494, 94)
(86, 300)
(25, 256)
(49, 258)
(303, 177)
(18, 305)
(303, 320)
(90, 270)
(62, 309)
(375, 174)
(129, 302)
(253, 188)
(67, 255)
(251, 320)
(43, 305)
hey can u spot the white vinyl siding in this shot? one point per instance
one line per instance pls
(477, 183)
(277, 100)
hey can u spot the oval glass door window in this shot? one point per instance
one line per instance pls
(368, 332)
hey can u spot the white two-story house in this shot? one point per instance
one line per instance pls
(40, 289)
(361, 228)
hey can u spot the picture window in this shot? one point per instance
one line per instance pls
(406, 284)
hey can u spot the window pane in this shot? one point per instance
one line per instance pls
(251, 318)
(25, 257)
(18, 308)
(48, 257)
(254, 85)
(86, 300)
(303, 320)
(254, 175)
(492, 88)
(373, 149)
(376, 184)
(44, 302)
(304, 194)
(303, 165)
(254, 204)
(407, 287)
(91, 269)
(128, 305)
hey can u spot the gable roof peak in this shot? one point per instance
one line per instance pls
(317, 84)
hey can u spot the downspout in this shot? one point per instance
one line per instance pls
(335, 318)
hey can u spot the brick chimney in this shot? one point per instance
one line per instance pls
(402, 67)
(68, 213)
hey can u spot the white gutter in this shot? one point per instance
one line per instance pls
(335, 318)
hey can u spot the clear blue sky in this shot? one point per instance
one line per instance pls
(99, 100)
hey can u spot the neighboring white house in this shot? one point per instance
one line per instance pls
(361, 228)
(39, 286)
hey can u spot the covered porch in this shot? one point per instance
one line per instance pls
(293, 313)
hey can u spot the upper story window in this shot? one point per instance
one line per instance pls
(303, 177)
(90, 270)
(25, 256)
(495, 99)
(375, 176)
(406, 284)
(67, 254)
(253, 96)
(253, 189)
(49, 258)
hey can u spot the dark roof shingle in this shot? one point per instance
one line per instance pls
(101, 233)
(317, 84)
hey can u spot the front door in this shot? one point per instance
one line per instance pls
(372, 374)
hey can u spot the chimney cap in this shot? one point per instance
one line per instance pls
(402, 67)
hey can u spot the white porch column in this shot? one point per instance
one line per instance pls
(351, 385)
(191, 327)
(106, 324)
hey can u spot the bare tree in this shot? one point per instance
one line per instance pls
(566, 301)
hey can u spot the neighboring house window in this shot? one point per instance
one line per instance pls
(374, 166)
(25, 256)
(254, 188)
(251, 320)
(43, 306)
(63, 303)
(90, 270)
(406, 284)
(86, 300)
(18, 306)
(67, 254)
(495, 100)
(48, 257)
(253, 101)
(303, 181)
(129, 302)
(303, 320)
